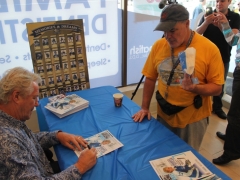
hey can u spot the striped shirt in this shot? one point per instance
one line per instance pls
(232, 39)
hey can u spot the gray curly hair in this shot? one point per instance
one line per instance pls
(19, 79)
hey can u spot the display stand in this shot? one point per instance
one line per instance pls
(59, 56)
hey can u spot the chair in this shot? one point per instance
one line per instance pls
(41, 120)
(49, 154)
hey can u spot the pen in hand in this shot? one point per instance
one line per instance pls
(88, 146)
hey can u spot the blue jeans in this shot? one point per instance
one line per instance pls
(232, 139)
(217, 100)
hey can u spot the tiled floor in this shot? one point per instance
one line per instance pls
(212, 146)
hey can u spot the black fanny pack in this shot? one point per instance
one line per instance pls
(166, 107)
(170, 109)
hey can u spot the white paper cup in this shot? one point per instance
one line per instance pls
(118, 97)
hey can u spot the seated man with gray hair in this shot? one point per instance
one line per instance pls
(22, 155)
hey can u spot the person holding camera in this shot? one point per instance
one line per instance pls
(184, 100)
(210, 27)
(232, 137)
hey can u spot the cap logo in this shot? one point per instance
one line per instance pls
(163, 16)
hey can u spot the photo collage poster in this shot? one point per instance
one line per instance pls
(59, 56)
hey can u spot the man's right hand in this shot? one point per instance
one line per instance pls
(210, 19)
(221, 17)
(86, 160)
(138, 117)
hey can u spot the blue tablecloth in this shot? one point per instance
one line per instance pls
(142, 142)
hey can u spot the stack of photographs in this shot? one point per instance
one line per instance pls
(62, 106)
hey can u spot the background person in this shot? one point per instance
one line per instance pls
(189, 123)
(211, 29)
(22, 154)
(220, 134)
(232, 136)
(199, 9)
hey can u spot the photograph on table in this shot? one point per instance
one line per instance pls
(53, 41)
(63, 106)
(104, 143)
(78, 38)
(45, 42)
(184, 165)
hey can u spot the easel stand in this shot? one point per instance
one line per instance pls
(133, 94)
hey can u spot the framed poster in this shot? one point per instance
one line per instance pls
(59, 56)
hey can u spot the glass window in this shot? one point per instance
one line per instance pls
(102, 25)
(143, 17)
(103, 33)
